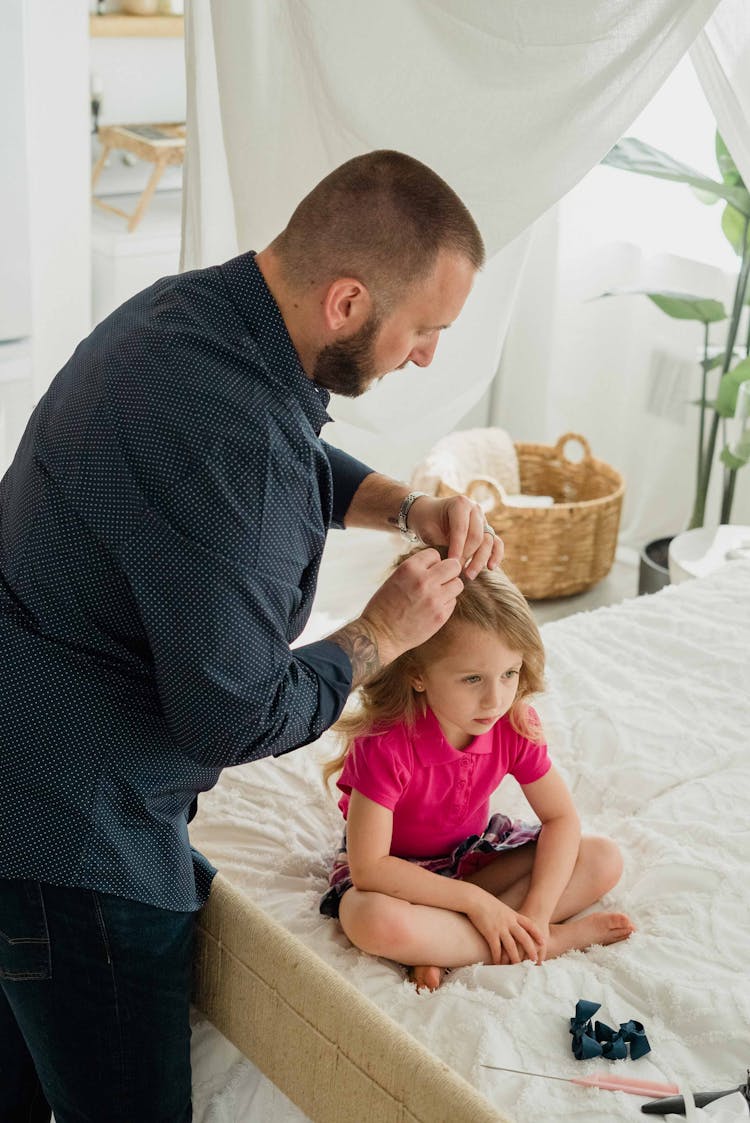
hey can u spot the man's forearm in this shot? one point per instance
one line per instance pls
(376, 503)
(362, 644)
(408, 608)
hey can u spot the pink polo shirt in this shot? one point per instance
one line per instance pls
(438, 795)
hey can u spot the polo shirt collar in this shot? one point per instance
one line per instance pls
(431, 746)
(252, 296)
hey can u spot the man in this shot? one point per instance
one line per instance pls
(161, 529)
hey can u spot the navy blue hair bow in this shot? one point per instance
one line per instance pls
(602, 1040)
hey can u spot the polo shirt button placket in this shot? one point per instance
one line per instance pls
(462, 788)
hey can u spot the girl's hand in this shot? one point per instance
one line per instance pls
(542, 927)
(507, 931)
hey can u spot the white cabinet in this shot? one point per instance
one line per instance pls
(121, 263)
(16, 396)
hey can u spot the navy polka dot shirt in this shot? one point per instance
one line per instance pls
(161, 529)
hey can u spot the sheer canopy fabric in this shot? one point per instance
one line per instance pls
(721, 56)
(511, 102)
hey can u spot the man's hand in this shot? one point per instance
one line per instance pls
(407, 609)
(461, 525)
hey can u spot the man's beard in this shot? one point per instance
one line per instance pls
(347, 367)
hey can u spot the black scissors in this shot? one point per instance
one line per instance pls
(676, 1104)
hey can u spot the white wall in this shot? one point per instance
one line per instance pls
(141, 81)
(15, 279)
(58, 162)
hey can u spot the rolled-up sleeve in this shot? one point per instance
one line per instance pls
(347, 473)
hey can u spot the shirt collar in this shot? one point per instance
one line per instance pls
(431, 746)
(252, 296)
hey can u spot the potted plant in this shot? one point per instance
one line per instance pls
(732, 361)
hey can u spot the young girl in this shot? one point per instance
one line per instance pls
(425, 876)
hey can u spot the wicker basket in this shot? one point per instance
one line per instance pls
(560, 550)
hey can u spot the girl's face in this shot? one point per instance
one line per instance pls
(471, 685)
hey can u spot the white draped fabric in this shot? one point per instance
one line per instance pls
(511, 102)
(721, 55)
(208, 228)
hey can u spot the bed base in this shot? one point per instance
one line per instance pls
(323, 1043)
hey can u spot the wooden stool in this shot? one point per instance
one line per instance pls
(160, 145)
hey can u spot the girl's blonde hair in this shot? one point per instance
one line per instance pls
(492, 602)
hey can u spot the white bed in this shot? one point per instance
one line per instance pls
(648, 716)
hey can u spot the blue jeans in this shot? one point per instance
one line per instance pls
(94, 1007)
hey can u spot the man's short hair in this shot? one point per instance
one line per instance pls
(382, 218)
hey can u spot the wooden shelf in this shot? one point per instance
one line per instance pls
(117, 24)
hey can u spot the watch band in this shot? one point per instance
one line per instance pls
(403, 515)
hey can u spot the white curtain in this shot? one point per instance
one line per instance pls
(208, 226)
(721, 55)
(511, 102)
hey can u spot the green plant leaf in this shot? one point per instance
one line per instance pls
(633, 155)
(733, 225)
(713, 362)
(739, 456)
(679, 305)
(682, 306)
(729, 171)
(708, 198)
(726, 399)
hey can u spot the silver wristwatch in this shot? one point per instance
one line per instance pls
(403, 515)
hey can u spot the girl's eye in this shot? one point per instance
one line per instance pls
(472, 678)
(510, 674)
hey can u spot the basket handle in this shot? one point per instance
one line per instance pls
(497, 491)
(562, 442)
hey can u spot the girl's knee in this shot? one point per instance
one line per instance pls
(603, 862)
(374, 922)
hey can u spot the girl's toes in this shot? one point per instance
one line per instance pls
(426, 978)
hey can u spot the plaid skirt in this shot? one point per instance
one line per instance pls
(475, 852)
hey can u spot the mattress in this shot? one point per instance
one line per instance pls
(647, 714)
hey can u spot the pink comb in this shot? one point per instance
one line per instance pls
(634, 1085)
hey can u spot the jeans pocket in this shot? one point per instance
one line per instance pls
(24, 939)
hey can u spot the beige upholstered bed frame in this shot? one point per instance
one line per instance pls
(325, 1045)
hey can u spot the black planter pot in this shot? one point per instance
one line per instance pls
(653, 573)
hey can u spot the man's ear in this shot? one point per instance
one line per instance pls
(347, 305)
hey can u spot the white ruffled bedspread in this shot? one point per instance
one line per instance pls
(647, 715)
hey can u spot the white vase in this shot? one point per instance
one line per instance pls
(698, 552)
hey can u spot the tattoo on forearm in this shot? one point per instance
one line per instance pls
(359, 644)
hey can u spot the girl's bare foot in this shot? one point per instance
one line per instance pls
(597, 928)
(426, 978)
